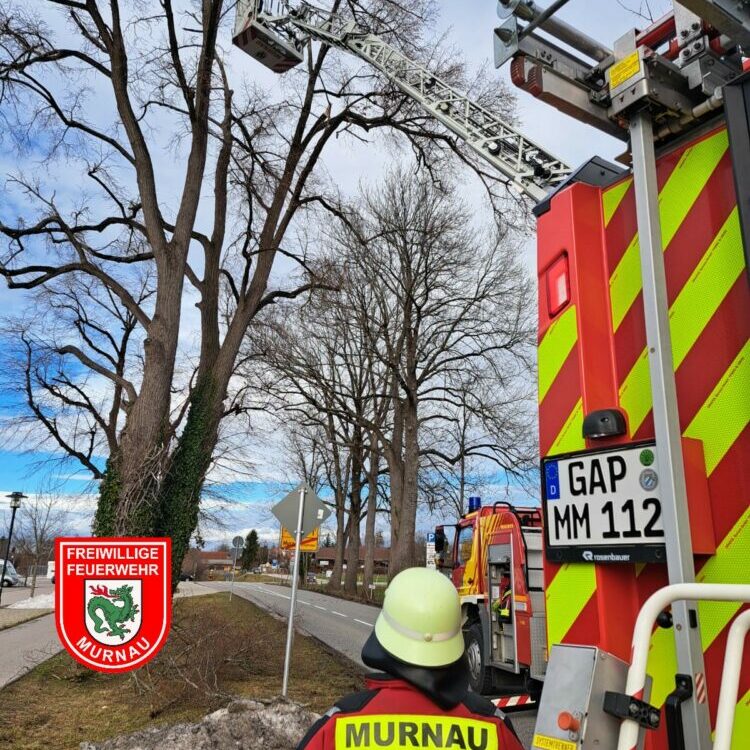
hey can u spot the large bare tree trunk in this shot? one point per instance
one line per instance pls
(372, 506)
(355, 511)
(352, 551)
(334, 582)
(402, 549)
(129, 493)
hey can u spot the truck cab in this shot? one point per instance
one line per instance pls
(493, 556)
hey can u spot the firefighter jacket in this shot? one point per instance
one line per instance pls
(392, 713)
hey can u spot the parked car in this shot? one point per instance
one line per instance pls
(257, 571)
(312, 578)
(187, 577)
(11, 577)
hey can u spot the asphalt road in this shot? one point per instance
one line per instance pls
(341, 624)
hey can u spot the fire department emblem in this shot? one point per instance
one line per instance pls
(113, 600)
(113, 610)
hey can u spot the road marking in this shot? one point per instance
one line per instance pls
(362, 622)
(334, 612)
(317, 606)
(273, 593)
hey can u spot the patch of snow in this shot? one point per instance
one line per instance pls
(242, 725)
(46, 601)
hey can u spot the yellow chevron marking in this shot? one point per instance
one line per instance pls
(741, 723)
(612, 198)
(570, 437)
(706, 288)
(555, 347)
(726, 412)
(625, 282)
(690, 313)
(635, 393)
(677, 197)
(728, 565)
(566, 597)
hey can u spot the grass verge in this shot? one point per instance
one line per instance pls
(11, 617)
(217, 649)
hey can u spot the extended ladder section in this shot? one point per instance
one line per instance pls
(275, 35)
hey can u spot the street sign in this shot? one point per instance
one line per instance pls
(430, 553)
(237, 543)
(308, 543)
(302, 512)
(314, 514)
(430, 537)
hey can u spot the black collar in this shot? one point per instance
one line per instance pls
(446, 686)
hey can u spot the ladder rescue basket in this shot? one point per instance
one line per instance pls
(270, 44)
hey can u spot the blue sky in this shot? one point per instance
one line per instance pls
(468, 25)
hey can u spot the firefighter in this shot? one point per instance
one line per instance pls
(502, 605)
(420, 696)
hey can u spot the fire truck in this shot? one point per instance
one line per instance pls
(494, 556)
(625, 587)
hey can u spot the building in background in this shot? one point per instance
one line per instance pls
(324, 558)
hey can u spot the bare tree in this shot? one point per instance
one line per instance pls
(373, 475)
(43, 517)
(92, 88)
(441, 305)
(430, 318)
(315, 368)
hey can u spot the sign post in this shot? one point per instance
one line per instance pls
(295, 576)
(302, 511)
(430, 551)
(238, 543)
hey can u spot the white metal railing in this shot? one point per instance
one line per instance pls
(730, 681)
(644, 625)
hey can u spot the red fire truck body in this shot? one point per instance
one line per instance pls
(593, 358)
(593, 363)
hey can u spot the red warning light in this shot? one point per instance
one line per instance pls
(558, 285)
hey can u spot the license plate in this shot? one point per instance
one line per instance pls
(603, 506)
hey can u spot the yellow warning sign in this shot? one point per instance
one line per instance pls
(543, 742)
(624, 70)
(308, 544)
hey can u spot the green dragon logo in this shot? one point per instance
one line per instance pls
(115, 616)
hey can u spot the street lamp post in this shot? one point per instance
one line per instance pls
(15, 504)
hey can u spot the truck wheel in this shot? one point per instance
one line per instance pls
(480, 678)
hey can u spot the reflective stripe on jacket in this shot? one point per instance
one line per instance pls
(394, 714)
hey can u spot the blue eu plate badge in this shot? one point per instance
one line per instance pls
(552, 480)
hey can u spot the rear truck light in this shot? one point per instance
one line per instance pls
(604, 423)
(558, 285)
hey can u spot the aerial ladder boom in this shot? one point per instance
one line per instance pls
(275, 33)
